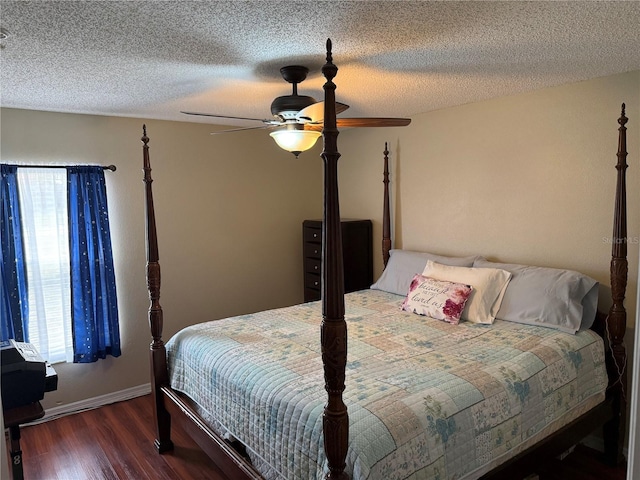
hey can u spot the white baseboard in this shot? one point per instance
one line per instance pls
(94, 402)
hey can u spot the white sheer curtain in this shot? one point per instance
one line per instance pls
(43, 202)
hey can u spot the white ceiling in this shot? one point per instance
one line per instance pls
(152, 59)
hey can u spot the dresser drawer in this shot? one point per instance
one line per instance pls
(312, 281)
(311, 294)
(312, 265)
(312, 250)
(312, 234)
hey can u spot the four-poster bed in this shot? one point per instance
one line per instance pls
(340, 441)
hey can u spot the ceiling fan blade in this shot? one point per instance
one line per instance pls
(263, 120)
(362, 122)
(243, 129)
(373, 122)
(315, 112)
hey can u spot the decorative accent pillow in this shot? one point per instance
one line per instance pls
(437, 299)
(565, 300)
(489, 285)
(404, 264)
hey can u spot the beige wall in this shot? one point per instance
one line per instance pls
(528, 178)
(229, 213)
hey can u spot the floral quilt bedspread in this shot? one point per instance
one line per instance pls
(426, 399)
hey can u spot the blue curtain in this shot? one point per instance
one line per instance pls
(14, 304)
(93, 288)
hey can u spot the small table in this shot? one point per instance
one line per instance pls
(13, 418)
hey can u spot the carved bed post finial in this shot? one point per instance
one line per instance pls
(329, 53)
(335, 420)
(617, 320)
(157, 351)
(386, 212)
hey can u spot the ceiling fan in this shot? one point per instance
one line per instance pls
(299, 118)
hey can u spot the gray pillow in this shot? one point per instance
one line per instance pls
(404, 264)
(550, 297)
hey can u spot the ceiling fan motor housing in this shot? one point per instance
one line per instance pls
(286, 107)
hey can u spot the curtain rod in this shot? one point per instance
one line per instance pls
(104, 167)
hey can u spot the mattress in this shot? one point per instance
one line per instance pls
(426, 399)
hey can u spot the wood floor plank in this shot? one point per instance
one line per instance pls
(115, 442)
(81, 439)
(125, 465)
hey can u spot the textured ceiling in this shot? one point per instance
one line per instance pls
(152, 59)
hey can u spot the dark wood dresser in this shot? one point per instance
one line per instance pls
(357, 252)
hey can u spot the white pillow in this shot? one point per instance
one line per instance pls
(488, 285)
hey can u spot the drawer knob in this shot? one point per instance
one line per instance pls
(315, 267)
(315, 284)
(315, 235)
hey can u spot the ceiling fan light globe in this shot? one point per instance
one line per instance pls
(295, 141)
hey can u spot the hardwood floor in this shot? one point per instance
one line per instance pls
(115, 442)
(110, 443)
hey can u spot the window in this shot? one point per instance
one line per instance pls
(58, 282)
(43, 204)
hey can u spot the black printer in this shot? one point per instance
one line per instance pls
(25, 375)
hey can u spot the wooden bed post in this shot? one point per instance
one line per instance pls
(386, 211)
(157, 351)
(335, 419)
(617, 321)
